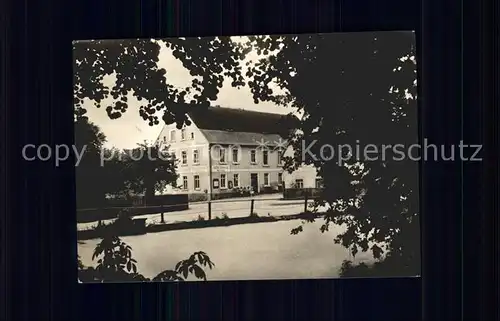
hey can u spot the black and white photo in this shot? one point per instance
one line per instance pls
(247, 157)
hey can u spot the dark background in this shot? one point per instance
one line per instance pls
(459, 99)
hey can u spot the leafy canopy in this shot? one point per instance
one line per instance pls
(143, 170)
(135, 66)
(148, 168)
(354, 89)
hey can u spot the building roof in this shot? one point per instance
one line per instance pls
(239, 120)
(240, 138)
(238, 126)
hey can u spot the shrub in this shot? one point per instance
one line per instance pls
(266, 189)
(197, 197)
(123, 217)
(388, 266)
(115, 264)
(80, 263)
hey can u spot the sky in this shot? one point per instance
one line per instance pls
(130, 129)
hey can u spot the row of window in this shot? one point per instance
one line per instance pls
(235, 156)
(223, 180)
(172, 137)
(299, 183)
(253, 156)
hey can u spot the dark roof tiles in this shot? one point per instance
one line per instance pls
(241, 138)
(240, 120)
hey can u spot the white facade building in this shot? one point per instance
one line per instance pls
(227, 148)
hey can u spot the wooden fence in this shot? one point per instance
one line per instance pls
(176, 202)
(134, 207)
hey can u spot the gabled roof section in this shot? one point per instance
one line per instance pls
(241, 138)
(242, 121)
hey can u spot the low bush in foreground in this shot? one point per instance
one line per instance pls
(389, 266)
(116, 264)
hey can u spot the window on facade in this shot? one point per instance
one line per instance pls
(280, 157)
(319, 183)
(222, 180)
(280, 178)
(222, 155)
(172, 135)
(164, 139)
(184, 157)
(236, 180)
(299, 183)
(235, 155)
(265, 157)
(184, 182)
(196, 156)
(266, 179)
(183, 134)
(196, 181)
(192, 135)
(253, 157)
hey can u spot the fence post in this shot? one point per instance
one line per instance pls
(209, 210)
(162, 215)
(306, 198)
(251, 206)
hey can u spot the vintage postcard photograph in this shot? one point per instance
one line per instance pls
(247, 158)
